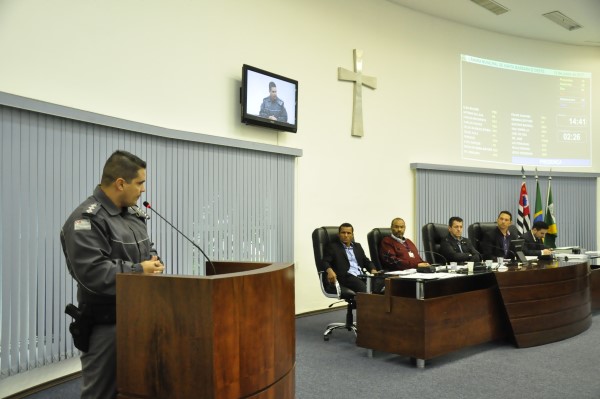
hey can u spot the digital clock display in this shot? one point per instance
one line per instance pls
(571, 136)
(574, 121)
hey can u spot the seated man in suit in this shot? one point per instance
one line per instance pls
(397, 252)
(496, 243)
(534, 241)
(456, 248)
(345, 260)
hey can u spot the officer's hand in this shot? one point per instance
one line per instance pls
(152, 266)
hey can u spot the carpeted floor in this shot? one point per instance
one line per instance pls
(339, 369)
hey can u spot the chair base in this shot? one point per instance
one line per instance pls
(349, 325)
(335, 326)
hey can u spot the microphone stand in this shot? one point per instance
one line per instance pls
(147, 205)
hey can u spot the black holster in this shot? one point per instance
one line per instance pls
(84, 320)
(81, 327)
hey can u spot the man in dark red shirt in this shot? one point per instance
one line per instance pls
(397, 252)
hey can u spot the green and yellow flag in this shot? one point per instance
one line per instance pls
(550, 219)
(538, 215)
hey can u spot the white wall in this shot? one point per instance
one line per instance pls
(178, 63)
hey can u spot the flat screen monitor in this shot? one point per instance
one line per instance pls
(517, 247)
(269, 100)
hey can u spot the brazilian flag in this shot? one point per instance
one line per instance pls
(538, 215)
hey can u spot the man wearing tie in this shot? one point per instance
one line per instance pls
(456, 248)
(534, 240)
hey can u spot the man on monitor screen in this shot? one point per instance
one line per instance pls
(272, 107)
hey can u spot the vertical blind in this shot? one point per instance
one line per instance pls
(236, 204)
(479, 197)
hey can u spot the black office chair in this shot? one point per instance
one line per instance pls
(321, 237)
(374, 238)
(477, 231)
(433, 234)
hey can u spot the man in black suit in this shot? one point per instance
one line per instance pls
(456, 248)
(345, 259)
(534, 241)
(496, 243)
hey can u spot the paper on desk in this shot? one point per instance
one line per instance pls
(402, 272)
(448, 275)
(421, 276)
(573, 256)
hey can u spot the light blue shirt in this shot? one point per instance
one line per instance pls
(354, 269)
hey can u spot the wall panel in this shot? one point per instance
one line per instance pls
(235, 203)
(478, 196)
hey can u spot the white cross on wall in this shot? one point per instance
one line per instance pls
(359, 80)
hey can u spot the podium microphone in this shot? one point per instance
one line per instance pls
(147, 205)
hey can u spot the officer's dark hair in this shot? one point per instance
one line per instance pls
(454, 219)
(506, 212)
(272, 84)
(121, 164)
(345, 225)
(539, 225)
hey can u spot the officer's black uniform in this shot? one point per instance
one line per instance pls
(100, 240)
(273, 108)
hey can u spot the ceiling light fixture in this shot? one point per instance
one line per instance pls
(492, 6)
(562, 20)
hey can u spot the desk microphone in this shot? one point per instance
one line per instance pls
(436, 254)
(513, 255)
(559, 256)
(147, 205)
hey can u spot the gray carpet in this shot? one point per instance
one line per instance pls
(339, 369)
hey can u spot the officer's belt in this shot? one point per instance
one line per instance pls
(102, 313)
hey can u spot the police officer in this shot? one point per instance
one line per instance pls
(106, 235)
(273, 107)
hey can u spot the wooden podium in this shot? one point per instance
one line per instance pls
(228, 335)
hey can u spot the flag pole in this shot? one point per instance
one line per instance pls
(550, 217)
(538, 212)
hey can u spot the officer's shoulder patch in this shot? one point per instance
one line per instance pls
(92, 208)
(82, 224)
